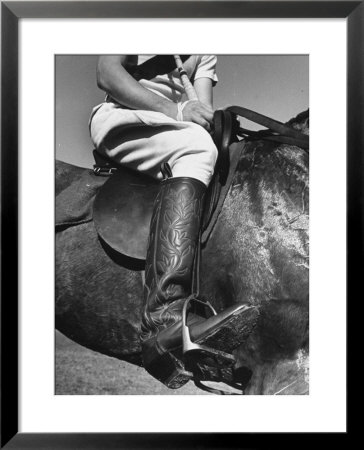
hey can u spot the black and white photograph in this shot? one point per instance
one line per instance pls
(180, 197)
(182, 224)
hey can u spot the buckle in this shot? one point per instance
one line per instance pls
(103, 170)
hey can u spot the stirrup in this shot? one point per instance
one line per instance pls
(192, 352)
(196, 358)
(173, 358)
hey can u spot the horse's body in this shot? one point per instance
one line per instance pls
(257, 253)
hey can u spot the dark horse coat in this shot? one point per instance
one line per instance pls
(257, 253)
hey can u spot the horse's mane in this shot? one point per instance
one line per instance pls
(301, 121)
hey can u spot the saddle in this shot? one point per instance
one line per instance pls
(123, 206)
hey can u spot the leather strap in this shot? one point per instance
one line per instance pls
(286, 133)
(235, 152)
(226, 128)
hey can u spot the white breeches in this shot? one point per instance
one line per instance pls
(156, 138)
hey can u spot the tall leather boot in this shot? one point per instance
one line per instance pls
(173, 240)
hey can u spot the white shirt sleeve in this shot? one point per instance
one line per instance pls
(206, 68)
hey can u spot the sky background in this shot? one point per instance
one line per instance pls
(274, 85)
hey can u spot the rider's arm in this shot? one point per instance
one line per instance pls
(113, 78)
(203, 88)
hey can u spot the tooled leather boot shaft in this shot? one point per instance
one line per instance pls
(173, 241)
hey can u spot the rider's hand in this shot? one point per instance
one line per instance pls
(197, 112)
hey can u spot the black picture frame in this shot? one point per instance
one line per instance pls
(11, 12)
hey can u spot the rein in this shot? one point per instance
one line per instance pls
(276, 131)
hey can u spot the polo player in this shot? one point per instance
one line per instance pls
(147, 123)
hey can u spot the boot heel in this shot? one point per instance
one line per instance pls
(163, 366)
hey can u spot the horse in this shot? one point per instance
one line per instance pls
(257, 253)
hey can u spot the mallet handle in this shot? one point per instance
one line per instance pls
(189, 89)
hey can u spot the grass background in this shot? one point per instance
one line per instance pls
(80, 371)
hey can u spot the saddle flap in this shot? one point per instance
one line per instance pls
(123, 211)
